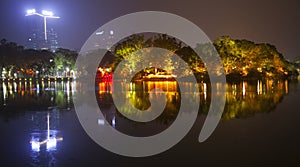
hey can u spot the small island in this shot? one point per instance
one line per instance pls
(241, 60)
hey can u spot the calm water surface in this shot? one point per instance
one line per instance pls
(260, 125)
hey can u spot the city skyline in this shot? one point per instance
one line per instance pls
(271, 22)
(40, 34)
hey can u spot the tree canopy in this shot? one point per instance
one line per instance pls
(15, 59)
(240, 58)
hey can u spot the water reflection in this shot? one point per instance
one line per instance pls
(43, 103)
(248, 98)
(138, 95)
(22, 95)
(45, 137)
(242, 99)
(41, 136)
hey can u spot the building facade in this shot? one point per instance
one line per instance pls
(35, 38)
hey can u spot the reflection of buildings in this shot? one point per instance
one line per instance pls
(45, 130)
(25, 97)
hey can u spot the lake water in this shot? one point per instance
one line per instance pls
(259, 127)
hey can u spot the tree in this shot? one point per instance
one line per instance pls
(245, 57)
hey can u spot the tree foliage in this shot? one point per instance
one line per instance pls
(25, 62)
(240, 58)
(246, 58)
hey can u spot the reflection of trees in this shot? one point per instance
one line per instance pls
(139, 98)
(241, 104)
(19, 97)
(60, 99)
(141, 101)
(240, 108)
(243, 100)
(168, 115)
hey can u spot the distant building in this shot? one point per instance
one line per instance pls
(35, 38)
(53, 39)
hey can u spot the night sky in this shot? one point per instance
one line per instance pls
(271, 21)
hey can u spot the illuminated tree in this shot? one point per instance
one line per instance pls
(248, 59)
(127, 47)
(62, 63)
(127, 50)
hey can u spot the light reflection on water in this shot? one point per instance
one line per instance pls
(244, 98)
(43, 103)
(45, 137)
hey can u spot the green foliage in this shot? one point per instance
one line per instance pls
(127, 50)
(249, 59)
(16, 59)
(64, 59)
(240, 58)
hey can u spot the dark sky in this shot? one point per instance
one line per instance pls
(272, 21)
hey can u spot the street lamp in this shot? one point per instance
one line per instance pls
(45, 14)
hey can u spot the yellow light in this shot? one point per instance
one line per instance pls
(259, 69)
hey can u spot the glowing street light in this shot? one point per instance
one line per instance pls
(31, 11)
(45, 14)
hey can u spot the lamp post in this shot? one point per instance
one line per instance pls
(45, 14)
